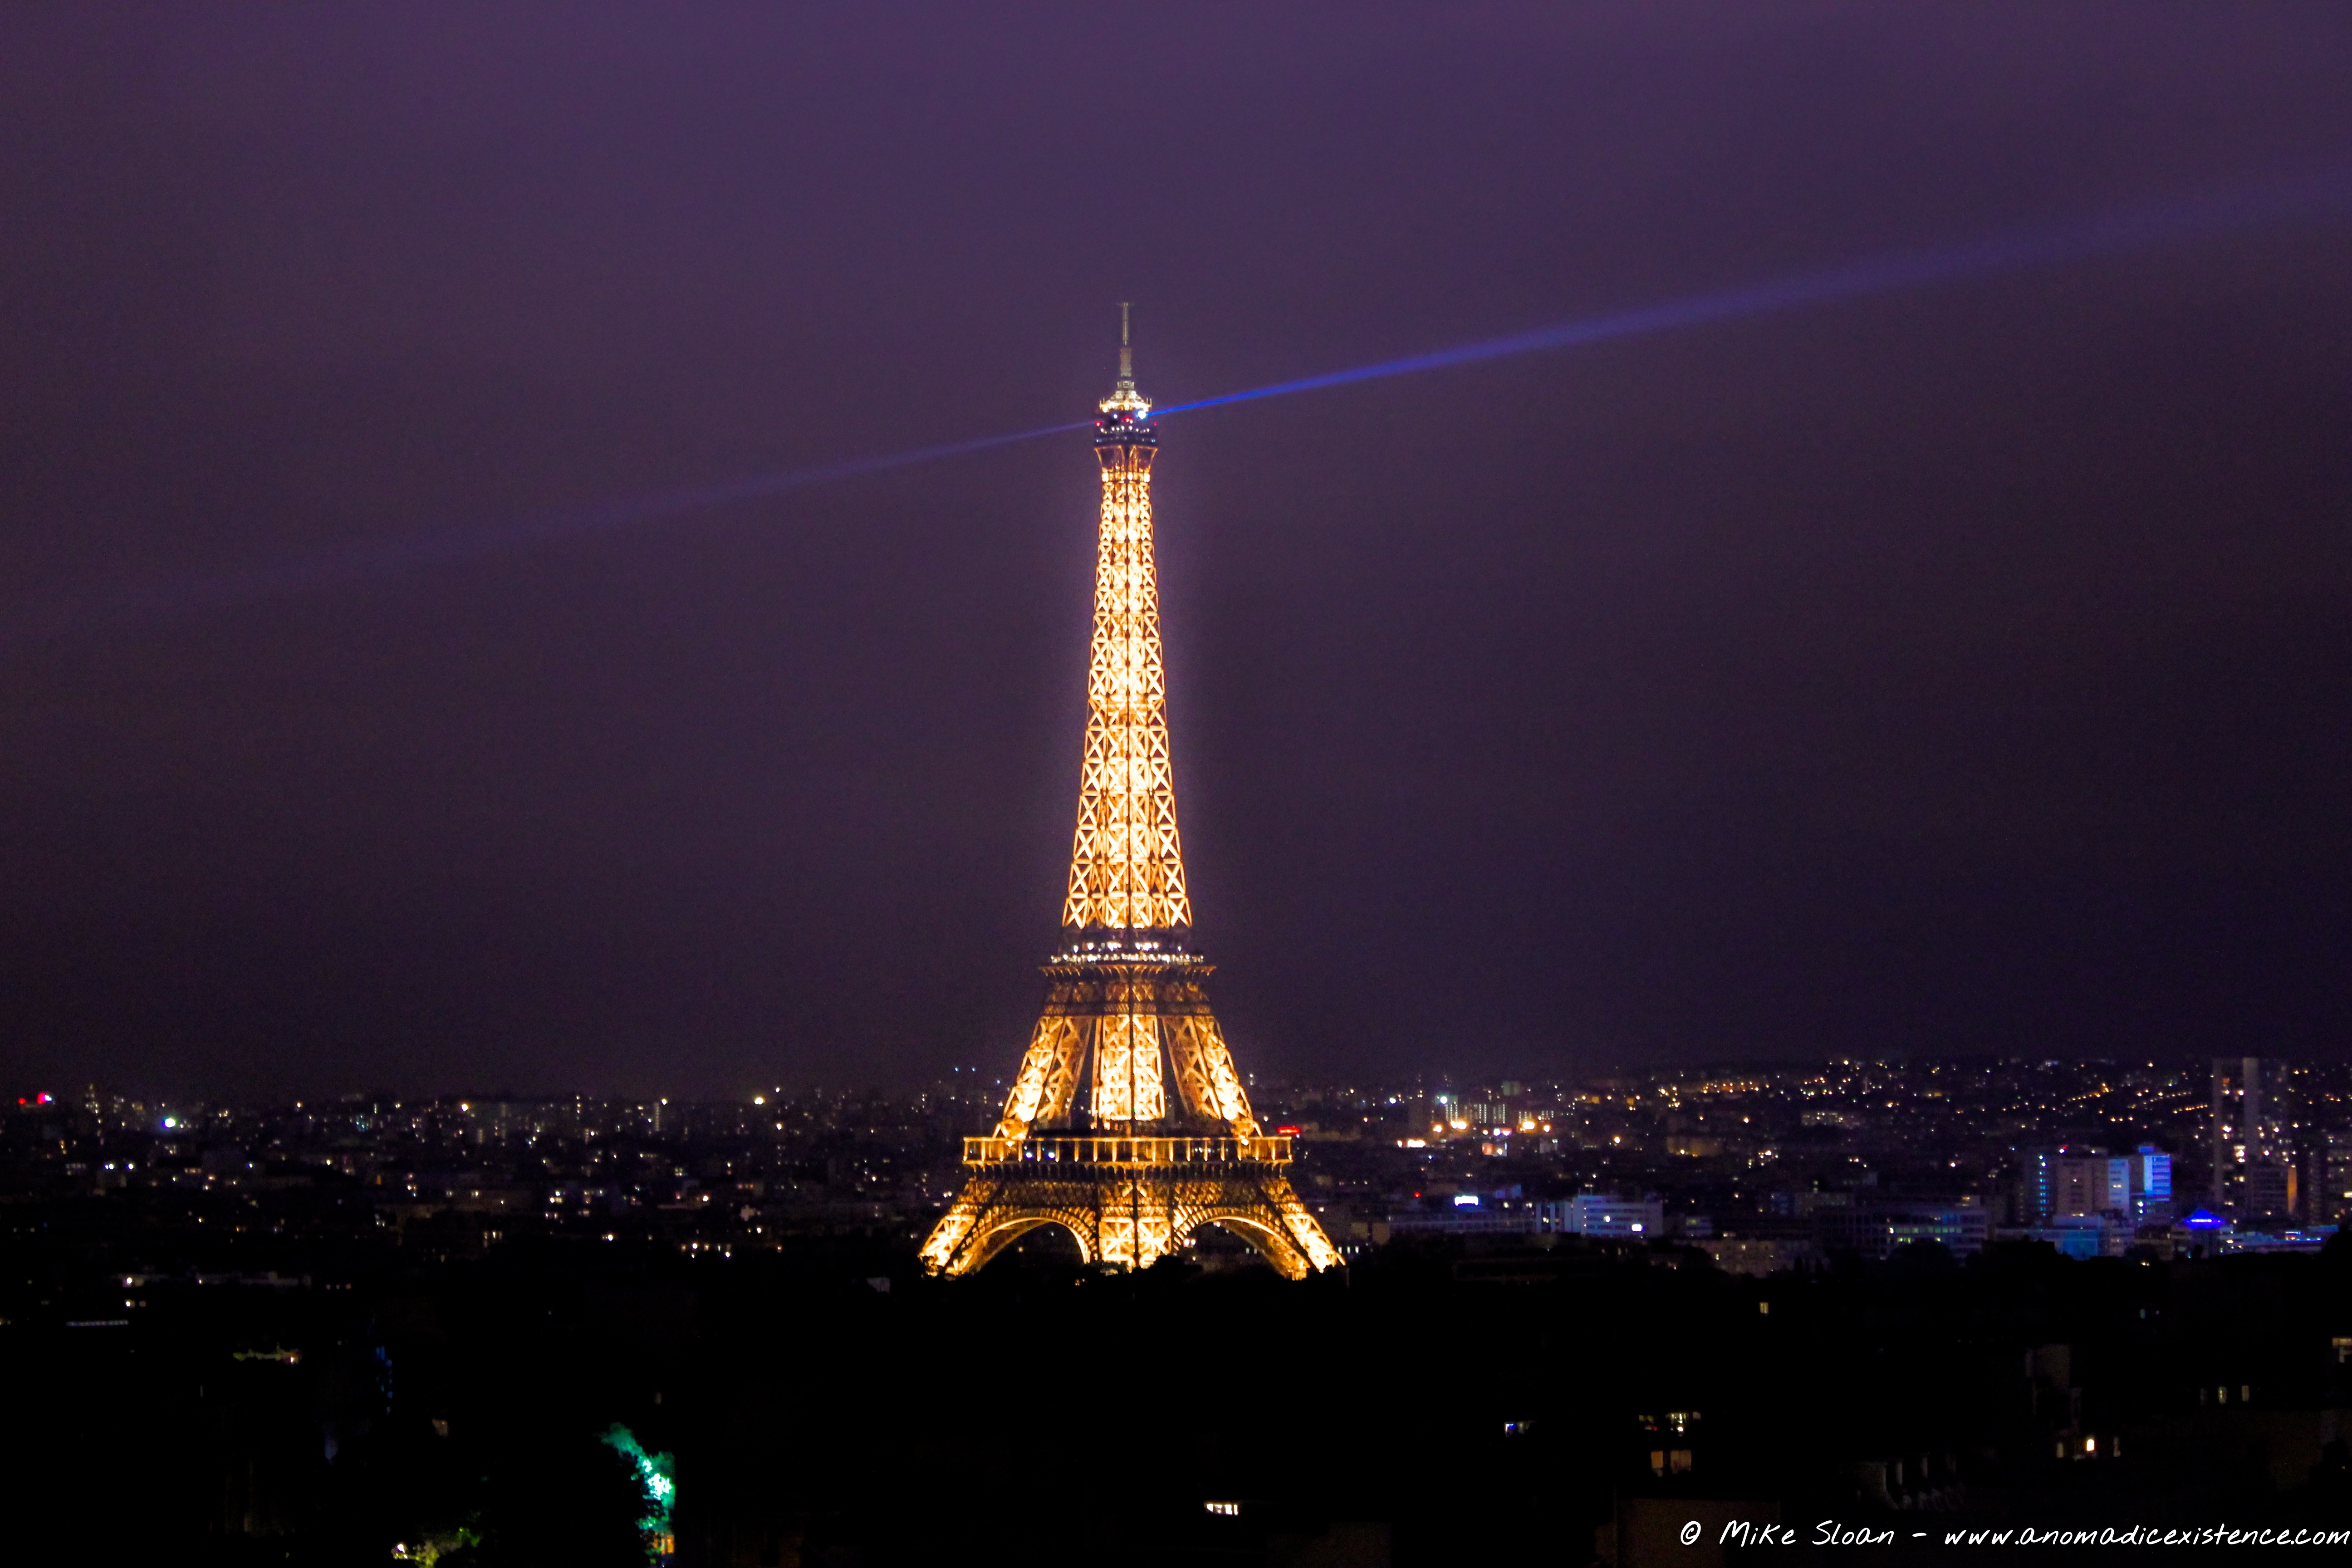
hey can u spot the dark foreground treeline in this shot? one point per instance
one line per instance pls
(1435, 1406)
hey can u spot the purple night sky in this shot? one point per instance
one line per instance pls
(1964, 668)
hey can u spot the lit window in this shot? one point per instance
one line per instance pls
(1228, 1509)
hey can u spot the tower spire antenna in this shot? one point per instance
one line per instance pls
(1124, 399)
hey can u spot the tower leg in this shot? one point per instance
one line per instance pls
(993, 1212)
(949, 1239)
(1131, 1218)
(1138, 1221)
(1049, 1075)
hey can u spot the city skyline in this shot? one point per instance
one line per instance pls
(1739, 1151)
(1982, 1279)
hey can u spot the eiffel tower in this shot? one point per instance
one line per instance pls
(1092, 1138)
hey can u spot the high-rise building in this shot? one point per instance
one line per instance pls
(2074, 1182)
(2094, 1184)
(1128, 1123)
(2037, 1186)
(2332, 1202)
(2251, 1133)
(2150, 1185)
(2070, 1179)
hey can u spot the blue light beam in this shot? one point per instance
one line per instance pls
(120, 607)
(2103, 233)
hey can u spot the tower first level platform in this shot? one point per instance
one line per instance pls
(1129, 1127)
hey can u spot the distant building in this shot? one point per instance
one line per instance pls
(2037, 1186)
(1876, 1226)
(2290, 1238)
(2078, 1236)
(1601, 1213)
(2332, 1201)
(1760, 1255)
(2066, 1183)
(2070, 1180)
(2092, 1184)
(1453, 1221)
(2252, 1133)
(2150, 1185)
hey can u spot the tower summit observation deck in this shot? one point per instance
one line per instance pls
(1128, 1124)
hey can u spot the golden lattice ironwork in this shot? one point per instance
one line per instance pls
(1128, 1123)
(1127, 865)
(1140, 1013)
(1129, 1216)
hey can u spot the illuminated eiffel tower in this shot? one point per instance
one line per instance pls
(1092, 1138)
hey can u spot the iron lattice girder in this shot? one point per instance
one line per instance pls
(1127, 863)
(1141, 1019)
(1127, 1214)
